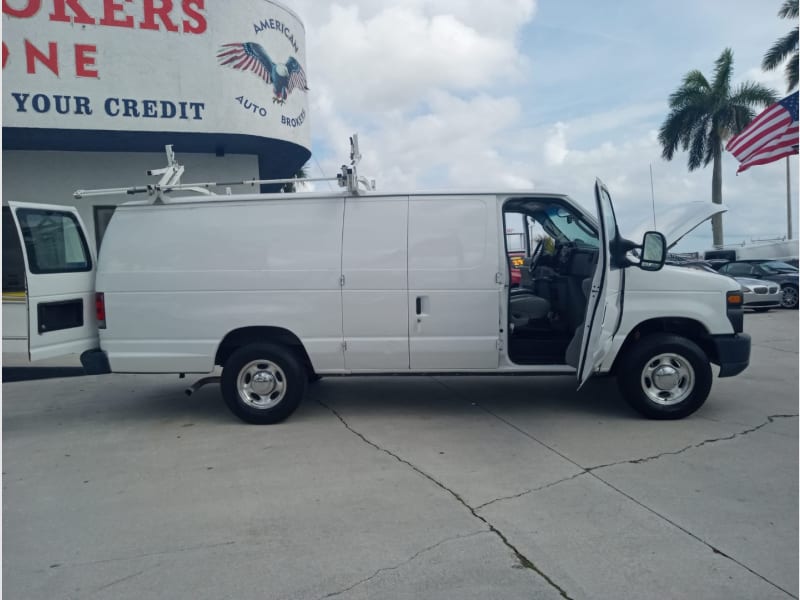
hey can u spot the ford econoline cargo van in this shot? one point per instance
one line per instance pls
(281, 289)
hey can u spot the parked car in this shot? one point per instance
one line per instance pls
(777, 271)
(760, 295)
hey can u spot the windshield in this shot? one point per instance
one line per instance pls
(571, 226)
(776, 266)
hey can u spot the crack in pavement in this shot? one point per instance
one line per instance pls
(523, 560)
(146, 555)
(590, 471)
(405, 562)
(637, 461)
(117, 581)
(536, 489)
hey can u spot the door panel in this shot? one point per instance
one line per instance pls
(453, 297)
(604, 308)
(374, 294)
(59, 277)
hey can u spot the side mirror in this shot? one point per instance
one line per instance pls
(654, 251)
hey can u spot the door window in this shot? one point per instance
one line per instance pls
(13, 261)
(54, 241)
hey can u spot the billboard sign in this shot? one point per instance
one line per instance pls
(189, 66)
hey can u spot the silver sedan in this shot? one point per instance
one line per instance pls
(760, 295)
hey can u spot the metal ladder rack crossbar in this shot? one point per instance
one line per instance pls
(171, 175)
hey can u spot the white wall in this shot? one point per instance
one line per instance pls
(52, 177)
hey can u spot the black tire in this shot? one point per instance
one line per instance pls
(277, 366)
(789, 299)
(662, 351)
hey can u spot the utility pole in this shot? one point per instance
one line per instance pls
(788, 201)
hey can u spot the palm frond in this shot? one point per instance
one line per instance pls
(723, 71)
(699, 139)
(753, 94)
(780, 51)
(677, 129)
(789, 10)
(791, 71)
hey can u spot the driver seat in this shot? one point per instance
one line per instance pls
(524, 304)
(524, 308)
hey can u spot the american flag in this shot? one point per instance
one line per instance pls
(770, 136)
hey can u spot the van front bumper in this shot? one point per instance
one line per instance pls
(95, 362)
(732, 352)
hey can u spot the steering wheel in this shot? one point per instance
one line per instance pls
(536, 255)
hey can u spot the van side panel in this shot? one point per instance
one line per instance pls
(454, 296)
(374, 295)
(177, 278)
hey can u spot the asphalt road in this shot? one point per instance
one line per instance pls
(120, 486)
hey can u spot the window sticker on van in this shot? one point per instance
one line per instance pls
(54, 242)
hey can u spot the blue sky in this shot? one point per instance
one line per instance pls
(459, 94)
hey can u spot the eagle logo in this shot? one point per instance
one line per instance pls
(249, 56)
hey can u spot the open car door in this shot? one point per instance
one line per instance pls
(59, 280)
(604, 307)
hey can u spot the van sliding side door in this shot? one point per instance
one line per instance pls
(454, 286)
(59, 280)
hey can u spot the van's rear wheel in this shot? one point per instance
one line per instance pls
(263, 383)
(665, 376)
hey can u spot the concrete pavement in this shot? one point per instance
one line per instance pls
(119, 486)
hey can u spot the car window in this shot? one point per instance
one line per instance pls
(738, 269)
(775, 266)
(54, 241)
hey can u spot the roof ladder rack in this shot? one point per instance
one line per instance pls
(171, 180)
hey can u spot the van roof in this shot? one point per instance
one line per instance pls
(315, 195)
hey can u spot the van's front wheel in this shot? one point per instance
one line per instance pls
(665, 376)
(263, 383)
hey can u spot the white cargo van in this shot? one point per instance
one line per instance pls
(280, 289)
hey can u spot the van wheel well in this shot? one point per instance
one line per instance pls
(251, 335)
(688, 328)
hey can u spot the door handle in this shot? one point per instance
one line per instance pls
(423, 307)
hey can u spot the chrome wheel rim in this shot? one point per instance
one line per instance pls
(261, 384)
(667, 379)
(789, 299)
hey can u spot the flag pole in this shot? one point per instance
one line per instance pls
(653, 195)
(788, 202)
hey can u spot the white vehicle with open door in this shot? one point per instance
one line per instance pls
(394, 283)
(59, 295)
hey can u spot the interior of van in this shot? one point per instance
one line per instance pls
(546, 310)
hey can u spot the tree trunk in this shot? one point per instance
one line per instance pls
(716, 195)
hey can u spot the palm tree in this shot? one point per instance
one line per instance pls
(785, 47)
(704, 115)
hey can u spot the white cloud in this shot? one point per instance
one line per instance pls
(555, 148)
(443, 95)
(394, 58)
